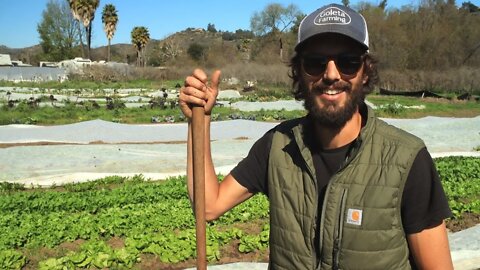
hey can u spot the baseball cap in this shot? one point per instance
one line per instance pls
(334, 18)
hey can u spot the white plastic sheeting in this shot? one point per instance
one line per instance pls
(159, 150)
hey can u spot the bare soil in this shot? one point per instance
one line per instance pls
(466, 221)
(229, 253)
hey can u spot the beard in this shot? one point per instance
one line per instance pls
(332, 115)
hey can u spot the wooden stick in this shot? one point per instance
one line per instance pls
(198, 141)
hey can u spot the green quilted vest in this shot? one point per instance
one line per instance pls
(360, 225)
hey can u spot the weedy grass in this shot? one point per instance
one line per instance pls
(412, 107)
(72, 112)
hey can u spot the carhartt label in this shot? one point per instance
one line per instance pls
(332, 15)
(354, 217)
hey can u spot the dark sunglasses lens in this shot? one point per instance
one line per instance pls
(348, 64)
(314, 65)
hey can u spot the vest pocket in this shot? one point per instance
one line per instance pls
(337, 242)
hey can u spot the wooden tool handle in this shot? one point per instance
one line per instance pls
(198, 141)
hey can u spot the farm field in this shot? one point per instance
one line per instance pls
(93, 145)
(131, 223)
(141, 218)
(44, 106)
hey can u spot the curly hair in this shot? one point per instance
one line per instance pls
(370, 68)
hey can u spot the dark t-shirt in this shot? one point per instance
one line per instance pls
(424, 204)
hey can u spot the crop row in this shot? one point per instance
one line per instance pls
(153, 217)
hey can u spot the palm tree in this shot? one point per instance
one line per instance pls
(110, 20)
(140, 38)
(84, 11)
(73, 9)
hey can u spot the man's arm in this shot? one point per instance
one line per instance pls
(219, 197)
(430, 248)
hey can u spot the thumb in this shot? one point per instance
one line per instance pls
(216, 79)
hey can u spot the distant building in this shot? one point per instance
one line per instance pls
(5, 60)
(18, 63)
(48, 64)
(17, 71)
(75, 65)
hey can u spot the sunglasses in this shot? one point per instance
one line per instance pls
(347, 64)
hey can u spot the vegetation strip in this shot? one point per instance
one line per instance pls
(155, 217)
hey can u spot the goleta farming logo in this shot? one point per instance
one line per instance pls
(332, 15)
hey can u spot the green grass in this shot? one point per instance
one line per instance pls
(94, 85)
(24, 114)
(432, 107)
(72, 114)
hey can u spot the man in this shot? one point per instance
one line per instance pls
(346, 190)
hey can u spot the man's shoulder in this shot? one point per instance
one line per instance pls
(288, 125)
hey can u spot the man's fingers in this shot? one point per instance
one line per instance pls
(200, 75)
(193, 82)
(200, 90)
(192, 95)
(195, 92)
(216, 79)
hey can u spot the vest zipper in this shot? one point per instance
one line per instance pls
(313, 176)
(314, 224)
(339, 230)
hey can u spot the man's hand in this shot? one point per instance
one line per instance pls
(197, 91)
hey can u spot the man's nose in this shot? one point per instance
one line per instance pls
(331, 73)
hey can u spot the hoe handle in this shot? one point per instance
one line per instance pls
(198, 140)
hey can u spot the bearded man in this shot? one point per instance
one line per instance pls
(346, 190)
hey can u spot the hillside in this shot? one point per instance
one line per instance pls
(27, 55)
(175, 44)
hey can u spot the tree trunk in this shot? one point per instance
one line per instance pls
(281, 48)
(138, 57)
(81, 40)
(108, 51)
(89, 38)
(143, 57)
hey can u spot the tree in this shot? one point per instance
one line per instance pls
(59, 32)
(84, 12)
(227, 35)
(470, 7)
(211, 28)
(383, 4)
(274, 20)
(243, 34)
(196, 51)
(140, 38)
(170, 49)
(110, 20)
(296, 24)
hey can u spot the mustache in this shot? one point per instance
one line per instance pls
(342, 86)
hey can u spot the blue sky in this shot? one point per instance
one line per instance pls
(19, 18)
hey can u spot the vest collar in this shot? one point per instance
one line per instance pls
(302, 134)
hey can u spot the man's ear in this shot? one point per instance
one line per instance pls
(366, 66)
(364, 79)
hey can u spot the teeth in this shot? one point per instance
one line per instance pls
(332, 92)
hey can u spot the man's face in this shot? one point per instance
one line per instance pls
(332, 77)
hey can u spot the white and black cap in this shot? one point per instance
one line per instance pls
(334, 18)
